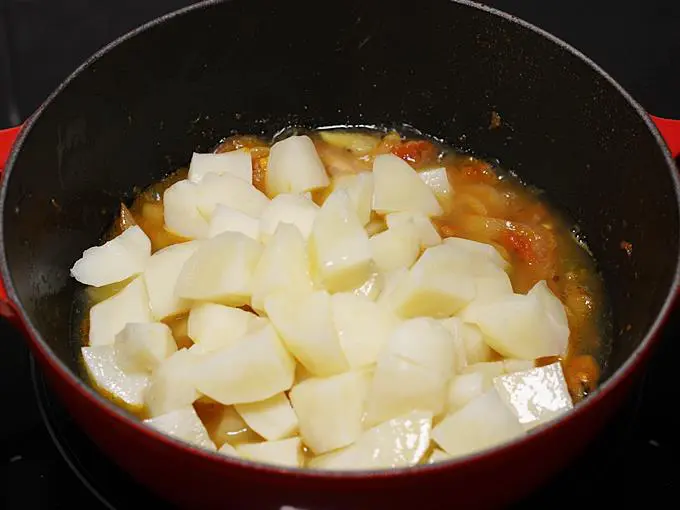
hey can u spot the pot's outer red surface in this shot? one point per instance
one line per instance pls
(138, 109)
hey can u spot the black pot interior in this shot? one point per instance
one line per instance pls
(139, 111)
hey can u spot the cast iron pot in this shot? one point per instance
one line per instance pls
(137, 109)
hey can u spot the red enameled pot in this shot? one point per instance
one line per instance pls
(138, 108)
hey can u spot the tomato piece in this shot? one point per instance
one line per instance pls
(415, 151)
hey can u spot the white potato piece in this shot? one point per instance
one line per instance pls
(109, 317)
(363, 327)
(488, 369)
(556, 314)
(297, 210)
(483, 423)
(284, 266)
(101, 365)
(221, 270)
(412, 371)
(214, 326)
(536, 396)
(437, 455)
(295, 167)
(397, 188)
(484, 250)
(237, 163)
(227, 219)
(286, 452)
(455, 326)
(305, 323)
(438, 181)
(400, 442)
(185, 425)
(395, 248)
(476, 348)
(172, 384)
(330, 409)
(438, 285)
(464, 388)
(494, 283)
(181, 213)
(339, 246)
(255, 368)
(161, 277)
(231, 191)
(359, 187)
(122, 257)
(522, 326)
(272, 418)
(372, 287)
(142, 346)
(427, 233)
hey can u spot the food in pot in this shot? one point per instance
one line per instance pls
(342, 299)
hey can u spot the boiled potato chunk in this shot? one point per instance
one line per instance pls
(305, 323)
(359, 187)
(522, 326)
(438, 181)
(395, 248)
(122, 257)
(172, 383)
(427, 233)
(237, 163)
(161, 277)
(464, 388)
(536, 396)
(100, 362)
(295, 167)
(341, 253)
(455, 327)
(486, 251)
(110, 316)
(556, 313)
(296, 210)
(484, 422)
(284, 266)
(272, 418)
(255, 368)
(330, 409)
(231, 191)
(397, 188)
(438, 285)
(142, 346)
(221, 270)
(412, 371)
(185, 425)
(363, 327)
(213, 326)
(286, 452)
(181, 213)
(400, 442)
(227, 219)
(372, 287)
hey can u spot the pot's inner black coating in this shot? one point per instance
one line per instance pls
(139, 112)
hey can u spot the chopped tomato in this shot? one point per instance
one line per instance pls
(415, 151)
(478, 171)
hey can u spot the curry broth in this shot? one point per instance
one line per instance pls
(487, 205)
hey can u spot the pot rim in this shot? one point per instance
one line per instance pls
(76, 383)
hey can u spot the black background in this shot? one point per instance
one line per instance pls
(42, 41)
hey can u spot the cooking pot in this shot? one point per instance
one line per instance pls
(138, 108)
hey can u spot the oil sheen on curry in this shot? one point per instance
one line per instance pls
(342, 299)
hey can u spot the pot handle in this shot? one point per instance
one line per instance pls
(670, 131)
(7, 137)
